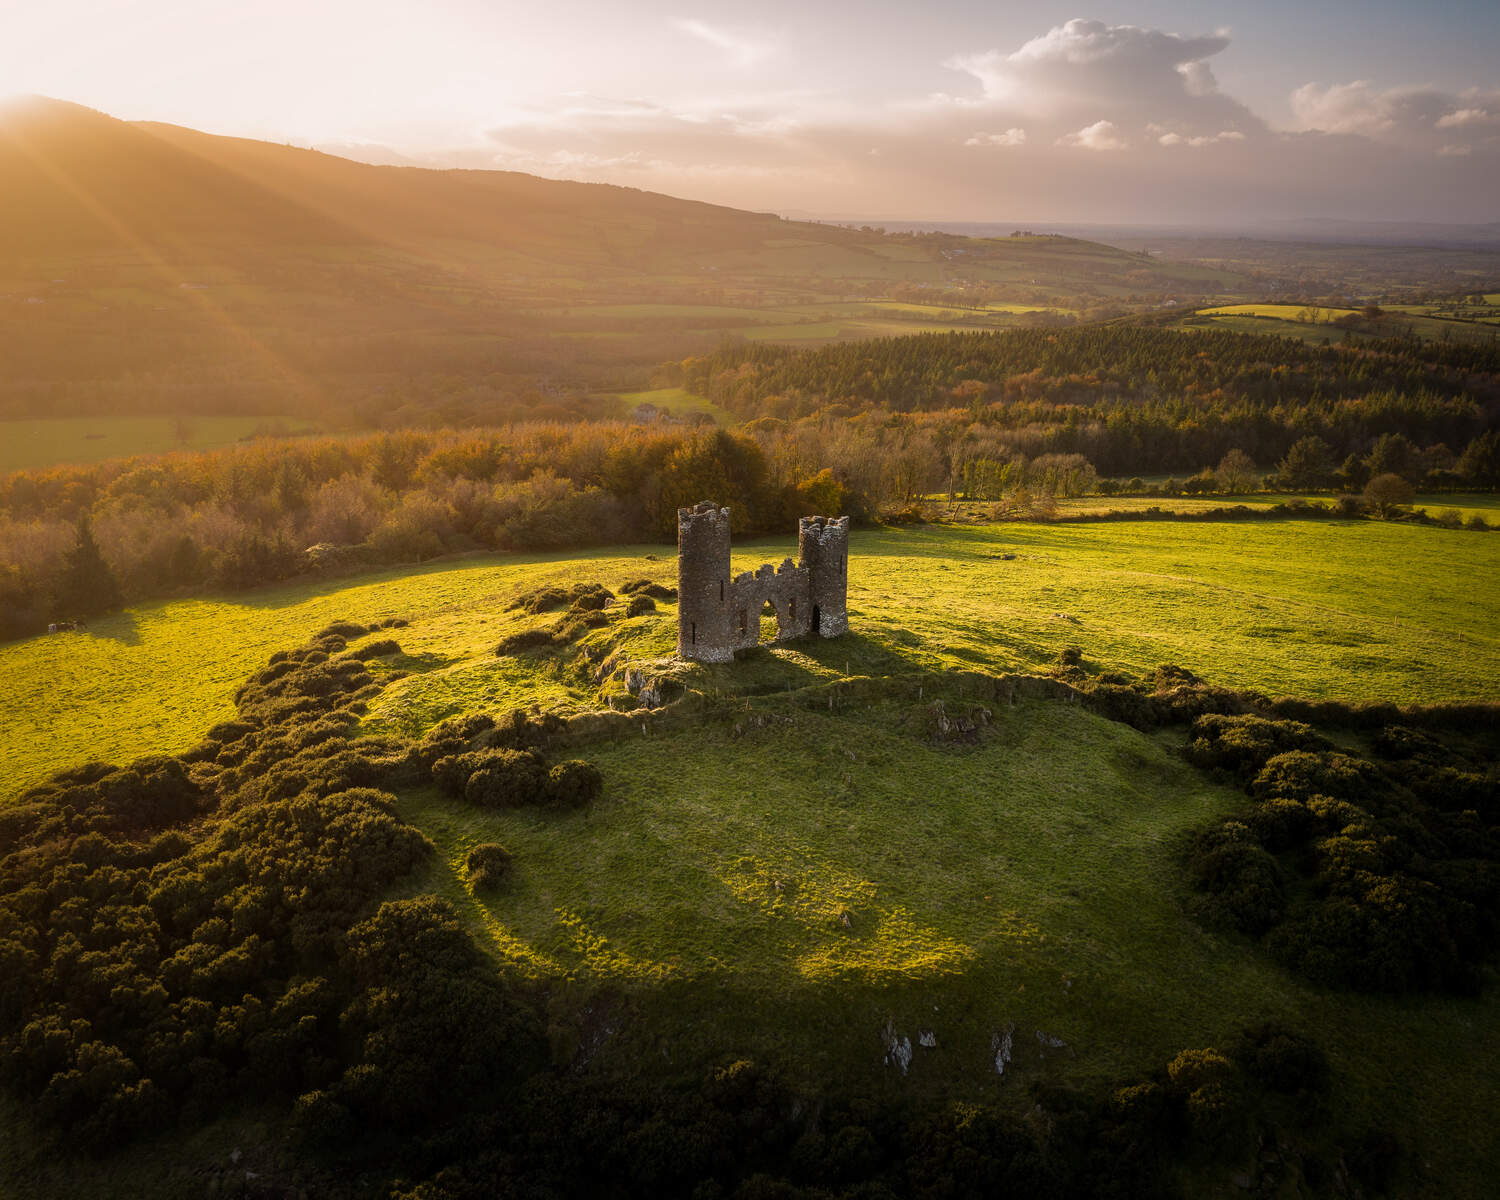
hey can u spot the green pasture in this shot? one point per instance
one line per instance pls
(679, 402)
(50, 442)
(786, 880)
(1284, 320)
(1466, 504)
(1285, 312)
(1351, 609)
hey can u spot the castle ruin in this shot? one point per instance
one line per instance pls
(718, 614)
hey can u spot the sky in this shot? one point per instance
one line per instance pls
(1155, 111)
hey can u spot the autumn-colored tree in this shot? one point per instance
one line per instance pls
(1388, 494)
(1236, 472)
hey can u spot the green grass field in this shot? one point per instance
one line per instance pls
(40, 443)
(1284, 312)
(1030, 880)
(679, 402)
(1466, 504)
(1342, 609)
(1286, 320)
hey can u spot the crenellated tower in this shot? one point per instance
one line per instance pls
(703, 583)
(823, 548)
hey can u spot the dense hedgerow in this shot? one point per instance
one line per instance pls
(185, 930)
(1378, 873)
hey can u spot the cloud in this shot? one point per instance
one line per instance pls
(1011, 137)
(1468, 116)
(1412, 114)
(1087, 121)
(1101, 135)
(741, 50)
(1081, 65)
(1177, 139)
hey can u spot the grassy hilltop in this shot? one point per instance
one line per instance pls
(1347, 610)
(803, 871)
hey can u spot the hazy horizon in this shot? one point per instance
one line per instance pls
(1152, 113)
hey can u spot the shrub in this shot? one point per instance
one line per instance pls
(488, 864)
(1120, 702)
(1300, 775)
(525, 639)
(583, 596)
(449, 736)
(1209, 1087)
(592, 601)
(644, 587)
(639, 606)
(574, 784)
(1243, 744)
(1241, 884)
(506, 779)
(1283, 1061)
(1280, 824)
(343, 629)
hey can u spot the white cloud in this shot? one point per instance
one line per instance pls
(1083, 64)
(741, 50)
(1468, 116)
(1011, 137)
(1403, 114)
(1111, 122)
(1101, 135)
(1177, 139)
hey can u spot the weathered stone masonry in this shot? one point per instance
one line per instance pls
(717, 614)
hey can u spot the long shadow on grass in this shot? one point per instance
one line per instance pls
(118, 627)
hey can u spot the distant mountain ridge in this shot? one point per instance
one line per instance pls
(77, 180)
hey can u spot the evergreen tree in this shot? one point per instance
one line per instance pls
(87, 586)
(1481, 461)
(1308, 464)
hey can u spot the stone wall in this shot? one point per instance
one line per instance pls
(717, 614)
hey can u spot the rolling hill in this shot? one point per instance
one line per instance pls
(152, 268)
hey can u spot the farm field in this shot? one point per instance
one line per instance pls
(1336, 609)
(679, 402)
(1287, 319)
(819, 321)
(26, 444)
(1466, 504)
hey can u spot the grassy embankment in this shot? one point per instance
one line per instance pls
(1030, 879)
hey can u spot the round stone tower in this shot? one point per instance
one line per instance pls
(703, 583)
(823, 545)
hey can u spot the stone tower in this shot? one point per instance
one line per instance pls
(823, 548)
(718, 614)
(703, 583)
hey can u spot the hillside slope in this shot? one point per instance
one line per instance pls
(135, 250)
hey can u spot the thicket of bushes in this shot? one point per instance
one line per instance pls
(184, 931)
(1378, 873)
(189, 930)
